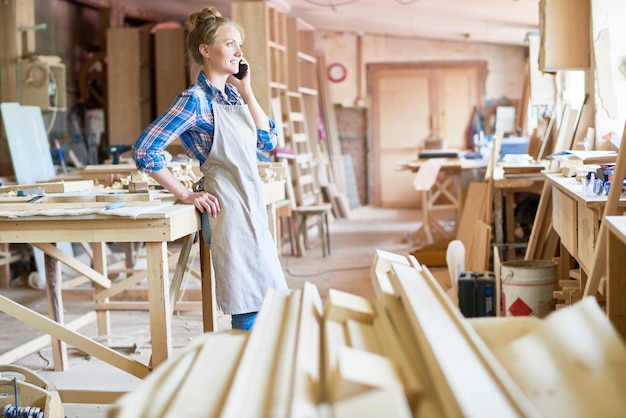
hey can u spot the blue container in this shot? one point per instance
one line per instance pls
(514, 145)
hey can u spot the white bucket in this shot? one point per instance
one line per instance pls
(528, 286)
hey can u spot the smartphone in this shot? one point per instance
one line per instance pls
(242, 70)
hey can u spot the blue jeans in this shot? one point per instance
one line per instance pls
(243, 321)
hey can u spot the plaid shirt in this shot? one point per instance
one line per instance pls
(191, 118)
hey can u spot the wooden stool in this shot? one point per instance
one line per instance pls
(300, 214)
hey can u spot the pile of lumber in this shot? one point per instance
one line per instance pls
(407, 353)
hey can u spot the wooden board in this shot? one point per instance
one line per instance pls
(52, 187)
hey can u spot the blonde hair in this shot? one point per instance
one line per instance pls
(203, 27)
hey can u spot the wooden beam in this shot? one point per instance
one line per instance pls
(442, 339)
(89, 396)
(52, 251)
(61, 332)
(40, 342)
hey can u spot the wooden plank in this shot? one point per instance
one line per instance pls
(99, 261)
(363, 337)
(341, 306)
(73, 263)
(187, 306)
(266, 361)
(170, 72)
(160, 308)
(307, 374)
(129, 94)
(427, 404)
(85, 396)
(55, 310)
(387, 402)
(498, 291)
(479, 391)
(379, 269)
(216, 361)
(358, 371)
(40, 342)
(334, 339)
(61, 332)
(414, 384)
(475, 204)
(543, 218)
(68, 206)
(478, 257)
(549, 357)
(126, 284)
(181, 265)
(52, 187)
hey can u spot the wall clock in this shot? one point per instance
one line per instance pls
(336, 72)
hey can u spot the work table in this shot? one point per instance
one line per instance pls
(576, 218)
(155, 222)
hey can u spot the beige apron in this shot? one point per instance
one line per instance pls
(242, 250)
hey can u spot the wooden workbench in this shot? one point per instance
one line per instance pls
(440, 182)
(504, 189)
(155, 225)
(576, 218)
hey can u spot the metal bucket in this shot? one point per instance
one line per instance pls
(528, 287)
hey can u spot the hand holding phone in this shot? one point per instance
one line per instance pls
(243, 68)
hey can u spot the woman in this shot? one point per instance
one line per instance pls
(222, 125)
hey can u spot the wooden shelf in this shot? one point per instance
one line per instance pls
(264, 47)
(130, 75)
(302, 62)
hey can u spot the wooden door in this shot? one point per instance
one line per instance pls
(412, 102)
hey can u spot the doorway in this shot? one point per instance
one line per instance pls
(412, 102)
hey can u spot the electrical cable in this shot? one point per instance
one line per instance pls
(320, 273)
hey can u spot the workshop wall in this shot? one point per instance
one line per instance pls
(505, 64)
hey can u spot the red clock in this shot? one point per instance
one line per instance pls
(336, 72)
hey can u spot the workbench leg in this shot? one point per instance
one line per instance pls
(509, 206)
(458, 180)
(209, 304)
(103, 318)
(5, 268)
(498, 218)
(55, 310)
(159, 302)
(565, 262)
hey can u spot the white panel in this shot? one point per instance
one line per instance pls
(28, 143)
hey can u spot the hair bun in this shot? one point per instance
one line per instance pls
(204, 15)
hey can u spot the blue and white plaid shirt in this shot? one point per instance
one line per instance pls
(191, 118)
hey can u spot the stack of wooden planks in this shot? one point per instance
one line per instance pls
(407, 353)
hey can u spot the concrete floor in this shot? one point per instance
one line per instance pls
(353, 244)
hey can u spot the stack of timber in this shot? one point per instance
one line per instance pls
(407, 353)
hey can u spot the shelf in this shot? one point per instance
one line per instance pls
(264, 47)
